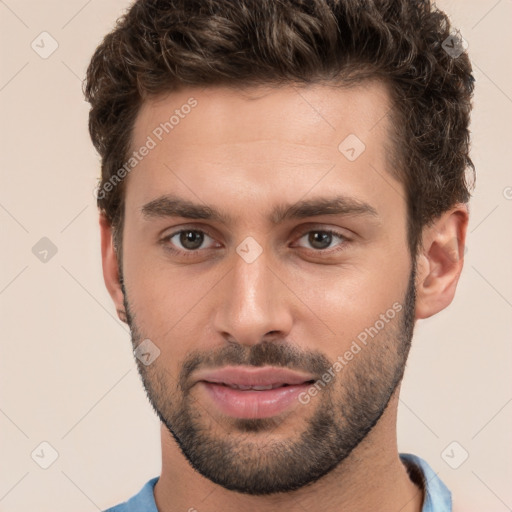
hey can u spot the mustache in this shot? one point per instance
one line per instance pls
(267, 353)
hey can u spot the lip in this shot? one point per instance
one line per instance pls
(250, 376)
(250, 403)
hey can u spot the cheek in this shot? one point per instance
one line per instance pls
(172, 305)
(347, 300)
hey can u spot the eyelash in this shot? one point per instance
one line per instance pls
(190, 254)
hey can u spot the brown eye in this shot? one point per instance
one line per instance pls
(187, 240)
(191, 240)
(321, 239)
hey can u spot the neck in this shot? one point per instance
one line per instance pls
(372, 477)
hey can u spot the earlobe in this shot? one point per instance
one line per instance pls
(440, 262)
(110, 267)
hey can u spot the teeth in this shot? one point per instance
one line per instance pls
(256, 388)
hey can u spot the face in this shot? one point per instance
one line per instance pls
(253, 238)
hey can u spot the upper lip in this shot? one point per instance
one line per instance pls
(250, 376)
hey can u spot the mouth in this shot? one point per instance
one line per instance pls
(259, 387)
(251, 402)
(248, 392)
(249, 377)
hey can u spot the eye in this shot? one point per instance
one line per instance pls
(321, 239)
(190, 242)
(187, 240)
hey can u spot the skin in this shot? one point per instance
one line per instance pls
(244, 152)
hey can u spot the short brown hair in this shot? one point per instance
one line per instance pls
(159, 46)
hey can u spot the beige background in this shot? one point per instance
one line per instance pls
(67, 374)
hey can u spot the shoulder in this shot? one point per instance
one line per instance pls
(143, 501)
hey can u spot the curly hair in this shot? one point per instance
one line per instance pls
(159, 46)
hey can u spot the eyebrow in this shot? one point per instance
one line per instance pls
(173, 206)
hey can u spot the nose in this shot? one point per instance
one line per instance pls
(254, 302)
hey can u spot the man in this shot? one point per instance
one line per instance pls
(283, 195)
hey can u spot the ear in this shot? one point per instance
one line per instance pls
(110, 267)
(440, 261)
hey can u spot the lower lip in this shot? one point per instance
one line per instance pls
(252, 403)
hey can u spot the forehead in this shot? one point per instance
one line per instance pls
(238, 148)
(230, 115)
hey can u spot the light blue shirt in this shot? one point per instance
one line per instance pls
(437, 496)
